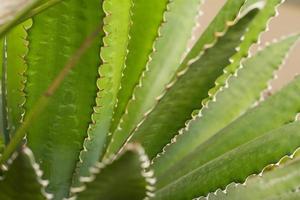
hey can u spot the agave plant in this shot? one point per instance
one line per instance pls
(105, 99)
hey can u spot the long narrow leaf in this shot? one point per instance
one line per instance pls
(146, 19)
(162, 64)
(186, 94)
(240, 93)
(283, 108)
(56, 145)
(116, 27)
(236, 165)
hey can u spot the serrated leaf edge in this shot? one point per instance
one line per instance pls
(35, 166)
(159, 35)
(220, 87)
(267, 168)
(146, 172)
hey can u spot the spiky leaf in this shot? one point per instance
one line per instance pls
(185, 95)
(56, 137)
(161, 66)
(146, 19)
(241, 131)
(240, 92)
(236, 165)
(276, 182)
(22, 180)
(113, 53)
(124, 177)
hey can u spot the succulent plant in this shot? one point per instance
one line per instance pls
(119, 99)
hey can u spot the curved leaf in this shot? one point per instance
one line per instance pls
(22, 180)
(240, 92)
(258, 25)
(279, 182)
(244, 129)
(17, 48)
(236, 165)
(185, 95)
(56, 138)
(146, 18)
(116, 27)
(161, 66)
(124, 177)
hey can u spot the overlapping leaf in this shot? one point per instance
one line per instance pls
(116, 27)
(56, 137)
(235, 165)
(146, 19)
(185, 95)
(240, 92)
(22, 180)
(244, 129)
(16, 49)
(278, 182)
(124, 177)
(162, 64)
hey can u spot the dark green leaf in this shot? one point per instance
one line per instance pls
(124, 177)
(22, 180)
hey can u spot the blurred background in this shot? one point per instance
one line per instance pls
(287, 22)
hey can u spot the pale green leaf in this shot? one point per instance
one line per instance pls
(146, 19)
(116, 27)
(235, 165)
(278, 182)
(240, 92)
(283, 107)
(163, 62)
(185, 95)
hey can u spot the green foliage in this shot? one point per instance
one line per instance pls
(95, 87)
(57, 147)
(22, 179)
(110, 181)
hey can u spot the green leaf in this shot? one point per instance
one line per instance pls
(146, 19)
(227, 14)
(116, 27)
(12, 11)
(22, 180)
(276, 182)
(17, 48)
(244, 129)
(125, 177)
(231, 101)
(236, 165)
(186, 93)
(56, 137)
(162, 64)
(259, 24)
